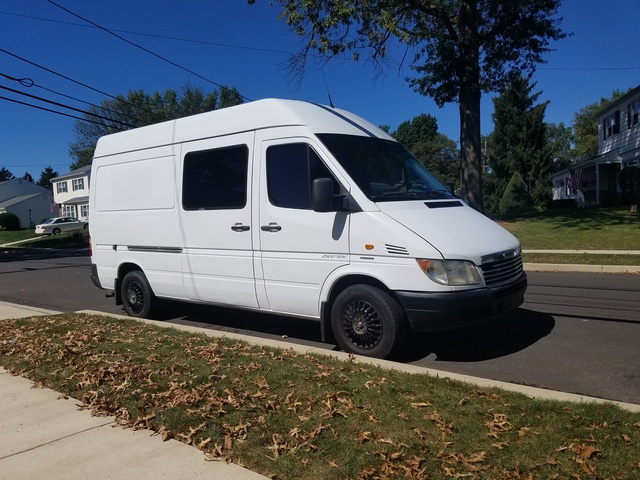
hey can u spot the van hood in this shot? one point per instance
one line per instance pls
(456, 230)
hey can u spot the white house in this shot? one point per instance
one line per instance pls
(71, 193)
(595, 181)
(31, 203)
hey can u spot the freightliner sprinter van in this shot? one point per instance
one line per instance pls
(296, 209)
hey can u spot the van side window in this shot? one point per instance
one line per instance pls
(215, 179)
(291, 169)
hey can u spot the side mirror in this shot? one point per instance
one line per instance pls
(322, 195)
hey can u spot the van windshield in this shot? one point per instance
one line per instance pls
(383, 169)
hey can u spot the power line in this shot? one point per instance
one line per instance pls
(75, 81)
(27, 82)
(144, 49)
(57, 104)
(50, 110)
(163, 37)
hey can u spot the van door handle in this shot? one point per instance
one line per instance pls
(272, 227)
(238, 227)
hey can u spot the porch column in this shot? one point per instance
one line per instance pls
(597, 184)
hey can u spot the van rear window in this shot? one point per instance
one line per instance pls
(215, 179)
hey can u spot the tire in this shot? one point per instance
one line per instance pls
(367, 321)
(137, 296)
(56, 231)
(85, 226)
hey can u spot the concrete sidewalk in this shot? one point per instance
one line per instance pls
(47, 436)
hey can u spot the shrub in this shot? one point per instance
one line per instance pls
(515, 198)
(9, 221)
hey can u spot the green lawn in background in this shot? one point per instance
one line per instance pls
(576, 229)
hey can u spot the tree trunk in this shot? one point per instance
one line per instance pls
(470, 151)
(469, 102)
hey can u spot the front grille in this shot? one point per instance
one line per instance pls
(501, 272)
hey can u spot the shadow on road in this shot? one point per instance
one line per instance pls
(498, 338)
(11, 254)
(240, 321)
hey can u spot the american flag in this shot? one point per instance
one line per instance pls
(573, 180)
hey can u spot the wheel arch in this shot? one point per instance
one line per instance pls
(338, 286)
(123, 269)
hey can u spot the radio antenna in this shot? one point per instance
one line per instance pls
(327, 87)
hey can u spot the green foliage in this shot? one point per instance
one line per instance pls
(6, 175)
(27, 176)
(560, 140)
(519, 142)
(137, 109)
(516, 198)
(46, 176)
(458, 50)
(585, 126)
(436, 151)
(629, 180)
(9, 221)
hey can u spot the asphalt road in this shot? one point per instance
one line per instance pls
(576, 332)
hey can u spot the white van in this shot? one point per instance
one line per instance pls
(297, 209)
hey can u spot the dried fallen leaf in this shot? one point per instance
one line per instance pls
(586, 452)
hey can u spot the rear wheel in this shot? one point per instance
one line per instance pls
(368, 321)
(137, 296)
(56, 231)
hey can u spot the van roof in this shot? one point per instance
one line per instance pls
(260, 114)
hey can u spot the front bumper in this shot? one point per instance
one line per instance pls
(429, 312)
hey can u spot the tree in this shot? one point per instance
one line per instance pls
(519, 140)
(27, 176)
(560, 140)
(516, 198)
(46, 176)
(585, 126)
(6, 175)
(137, 109)
(460, 49)
(436, 151)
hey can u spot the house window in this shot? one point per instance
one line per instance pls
(69, 211)
(61, 187)
(611, 125)
(78, 184)
(632, 113)
(84, 211)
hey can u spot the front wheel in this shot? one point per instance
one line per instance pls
(137, 296)
(368, 321)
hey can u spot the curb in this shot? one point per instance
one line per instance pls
(578, 268)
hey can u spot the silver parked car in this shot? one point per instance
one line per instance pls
(57, 225)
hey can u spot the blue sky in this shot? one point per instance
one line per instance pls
(235, 44)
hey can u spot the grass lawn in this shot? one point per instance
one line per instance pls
(76, 239)
(293, 416)
(576, 229)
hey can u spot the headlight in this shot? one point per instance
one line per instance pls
(450, 272)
